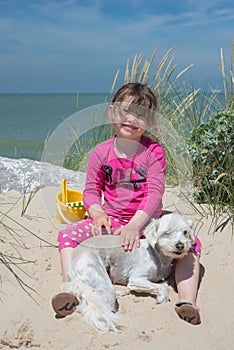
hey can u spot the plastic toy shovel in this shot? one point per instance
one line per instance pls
(64, 191)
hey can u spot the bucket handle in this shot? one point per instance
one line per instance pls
(62, 215)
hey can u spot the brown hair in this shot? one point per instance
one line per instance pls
(143, 100)
(141, 95)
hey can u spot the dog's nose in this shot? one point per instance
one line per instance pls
(180, 246)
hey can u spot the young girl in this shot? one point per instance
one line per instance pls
(129, 170)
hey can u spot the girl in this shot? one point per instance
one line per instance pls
(129, 171)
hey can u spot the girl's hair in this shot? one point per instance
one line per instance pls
(140, 93)
(142, 100)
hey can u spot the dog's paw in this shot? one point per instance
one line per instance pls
(162, 299)
(162, 294)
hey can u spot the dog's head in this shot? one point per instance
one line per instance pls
(172, 234)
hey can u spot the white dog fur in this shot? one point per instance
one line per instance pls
(100, 261)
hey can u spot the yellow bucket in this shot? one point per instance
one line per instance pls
(69, 204)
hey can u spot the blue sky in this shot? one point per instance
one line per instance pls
(76, 45)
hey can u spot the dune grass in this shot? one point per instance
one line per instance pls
(192, 112)
(189, 110)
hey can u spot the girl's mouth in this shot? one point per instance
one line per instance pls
(129, 127)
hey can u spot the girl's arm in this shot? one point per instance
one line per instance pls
(156, 179)
(95, 179)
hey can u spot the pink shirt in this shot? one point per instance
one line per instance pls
(128, 184)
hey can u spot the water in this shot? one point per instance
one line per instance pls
(26, 120)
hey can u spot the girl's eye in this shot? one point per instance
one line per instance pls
(135, 115)
(125, 110)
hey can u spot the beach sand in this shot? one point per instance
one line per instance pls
(27, 320)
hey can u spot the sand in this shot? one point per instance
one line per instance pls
(27, 320)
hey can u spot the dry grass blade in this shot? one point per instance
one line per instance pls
(134, 70)
(144, 73)
(162, 63)
(223, 73)
(27, 201)
(228, 84)
(145, 70)
(232, 76)
(10, 264)
(232, 66)
(25, 228)
(136, 66)
(183, 72)
(114, 81)
(168, 72)
(186, 103)
(129, 77)
(126, 77)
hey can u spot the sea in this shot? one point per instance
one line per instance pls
(26, 123)
(27, 120)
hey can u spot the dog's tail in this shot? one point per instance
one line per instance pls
(96, 311)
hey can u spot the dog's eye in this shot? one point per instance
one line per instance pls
(185, 232)
(166, 233)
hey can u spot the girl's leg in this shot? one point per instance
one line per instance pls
(65, 303)
(69, 238)
(187, 278)
(64, 259)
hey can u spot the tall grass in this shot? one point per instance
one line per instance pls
(211, 147)
(187, 109)
(228, 79)
(77, 156)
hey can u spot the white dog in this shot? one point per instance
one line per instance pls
(99, 262)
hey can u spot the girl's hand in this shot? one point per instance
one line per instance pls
(98, 222)
(100, 219)
(129, 235)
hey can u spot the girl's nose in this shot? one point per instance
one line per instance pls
(130, 117)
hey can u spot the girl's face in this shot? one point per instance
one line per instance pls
(127, 124)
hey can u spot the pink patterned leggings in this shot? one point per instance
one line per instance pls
(72, 235)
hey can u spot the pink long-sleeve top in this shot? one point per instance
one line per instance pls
(127, 184)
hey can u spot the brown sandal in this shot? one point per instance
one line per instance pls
(187, 312)
(64, 304)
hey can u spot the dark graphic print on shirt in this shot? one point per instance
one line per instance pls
(130, 177)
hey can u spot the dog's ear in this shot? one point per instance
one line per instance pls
(192, 237)
(150, 232)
